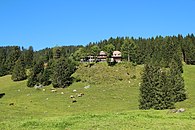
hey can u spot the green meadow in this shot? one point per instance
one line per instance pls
(109, 102)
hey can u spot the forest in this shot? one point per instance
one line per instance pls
(162, 83)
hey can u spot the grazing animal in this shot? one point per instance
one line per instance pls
(86, 87)
(54, 90)
(74, 100)
(39, 86)
(79, 95)
(74, 90)
(180, 110)
(11, 104)
(71, 96)
(43, 90)
(1, 95)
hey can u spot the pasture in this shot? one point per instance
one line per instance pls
(110, 102)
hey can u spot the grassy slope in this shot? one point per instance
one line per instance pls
(112, 104)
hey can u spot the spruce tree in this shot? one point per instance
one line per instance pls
(62, 71)
(29, 57)
(19, 72)
(12, 56)
(163, 91)
(44, 78)
(156, 90)
(146, 88)
(35, 73)
(177, 82)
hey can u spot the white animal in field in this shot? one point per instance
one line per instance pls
(53, 90)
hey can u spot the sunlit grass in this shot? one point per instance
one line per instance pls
(111, 104)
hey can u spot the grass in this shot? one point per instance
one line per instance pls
(109, 103)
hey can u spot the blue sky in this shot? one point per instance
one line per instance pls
(47, 23)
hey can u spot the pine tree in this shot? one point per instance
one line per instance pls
(177, 82)
(156, 90)
(44, 77)
(12, 56)
(146, 90)
(3, 70)
(19, 72)
(163, 91)
(62, 72)
(35, 73)
(29, 57)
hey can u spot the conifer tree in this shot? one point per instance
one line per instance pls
(28, 58)
(44, 78)
(35, 73)
(19, 72)
(62, 71)
(12, 57)
(177, 82)
(163, 91)
(146, 90)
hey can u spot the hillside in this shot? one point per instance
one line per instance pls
(110, 102)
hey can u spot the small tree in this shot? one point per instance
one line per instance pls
(62, 71)
(44, 78)
(19, 72)
(146, 88)
(177, 82)
(35, 73)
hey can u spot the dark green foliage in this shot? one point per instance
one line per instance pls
(11, 57)
(44, 78)
(62, 71)
(3, 70)
(146, 88)
(177, 82)
(156, 89)
(188, 49)
(163, 98)
(162, 85)
(32, 81)
(28, 57)
(35, 74)
(19, 72)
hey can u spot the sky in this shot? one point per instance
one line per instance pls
(49, 23)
